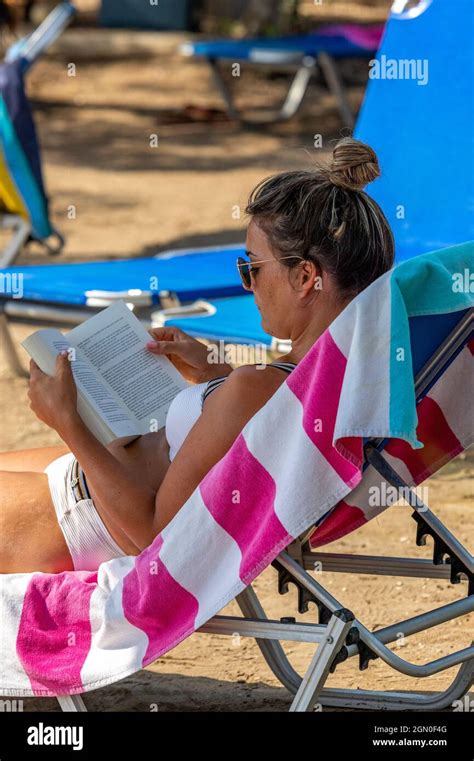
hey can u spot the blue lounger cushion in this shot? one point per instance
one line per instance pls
(245, 50)
(419, 127)
(188, 274)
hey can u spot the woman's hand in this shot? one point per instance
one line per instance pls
(189, 356)
(53, 398)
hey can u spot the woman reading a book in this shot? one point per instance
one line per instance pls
(315, 240)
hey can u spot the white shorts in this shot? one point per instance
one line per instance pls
(87, 537)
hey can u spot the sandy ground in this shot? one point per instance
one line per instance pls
(133, 200)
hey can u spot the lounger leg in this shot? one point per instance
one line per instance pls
(271, 650)
(335, 86)
(21, 230)
(72, 704)
(316, 675)
(292, 103)
(374, 700)
(224, 90)
(9, 347)
(297, 89)
(380, 700)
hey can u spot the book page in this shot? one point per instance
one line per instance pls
(113, 342)
(45, 345)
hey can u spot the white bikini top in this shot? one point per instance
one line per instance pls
(186, 407)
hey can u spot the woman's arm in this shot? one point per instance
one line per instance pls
(191, 357)
(225, 413)
(117, 488)
(53, 398)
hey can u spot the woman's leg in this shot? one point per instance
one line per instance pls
(148, 455)
(149, 460)
(31, 460)
(30, 536)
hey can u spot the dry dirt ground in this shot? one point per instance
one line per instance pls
(132, 200)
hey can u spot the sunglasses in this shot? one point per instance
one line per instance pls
(246, 268)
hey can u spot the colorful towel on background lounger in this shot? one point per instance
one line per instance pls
(21, 183)
(368, 37)
(299, 456)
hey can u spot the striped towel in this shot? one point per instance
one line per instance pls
(299, 457)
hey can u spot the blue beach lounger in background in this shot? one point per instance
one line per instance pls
(310, 53)
(23, 200)
(69, 293)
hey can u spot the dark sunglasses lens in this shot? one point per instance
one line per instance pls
(244, 270)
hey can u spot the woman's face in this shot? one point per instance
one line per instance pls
(271, 286)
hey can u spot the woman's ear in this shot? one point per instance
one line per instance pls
(311, 277)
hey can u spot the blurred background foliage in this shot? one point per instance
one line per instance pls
(233, 18)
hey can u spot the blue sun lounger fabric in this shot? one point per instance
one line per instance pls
(189, 274)
(337, 40)
(418, 118)
(22, 190)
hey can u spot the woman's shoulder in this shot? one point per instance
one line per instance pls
(248, 379)
(255, 374)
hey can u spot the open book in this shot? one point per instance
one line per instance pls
(123, 389)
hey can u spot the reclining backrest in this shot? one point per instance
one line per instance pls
(417, 115)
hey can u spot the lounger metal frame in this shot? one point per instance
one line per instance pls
(308, 66)
(339, 635)
(20, 233)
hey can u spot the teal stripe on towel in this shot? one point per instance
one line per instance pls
(427, 284)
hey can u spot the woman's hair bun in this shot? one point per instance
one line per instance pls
(354, 164)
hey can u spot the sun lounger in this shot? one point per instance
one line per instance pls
(387, 420)
(68, 293)
(310, 53)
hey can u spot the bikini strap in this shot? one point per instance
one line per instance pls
(287, 366)
(211, 386)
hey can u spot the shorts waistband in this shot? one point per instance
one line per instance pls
(78, 482)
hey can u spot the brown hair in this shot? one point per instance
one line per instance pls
(324, 215)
